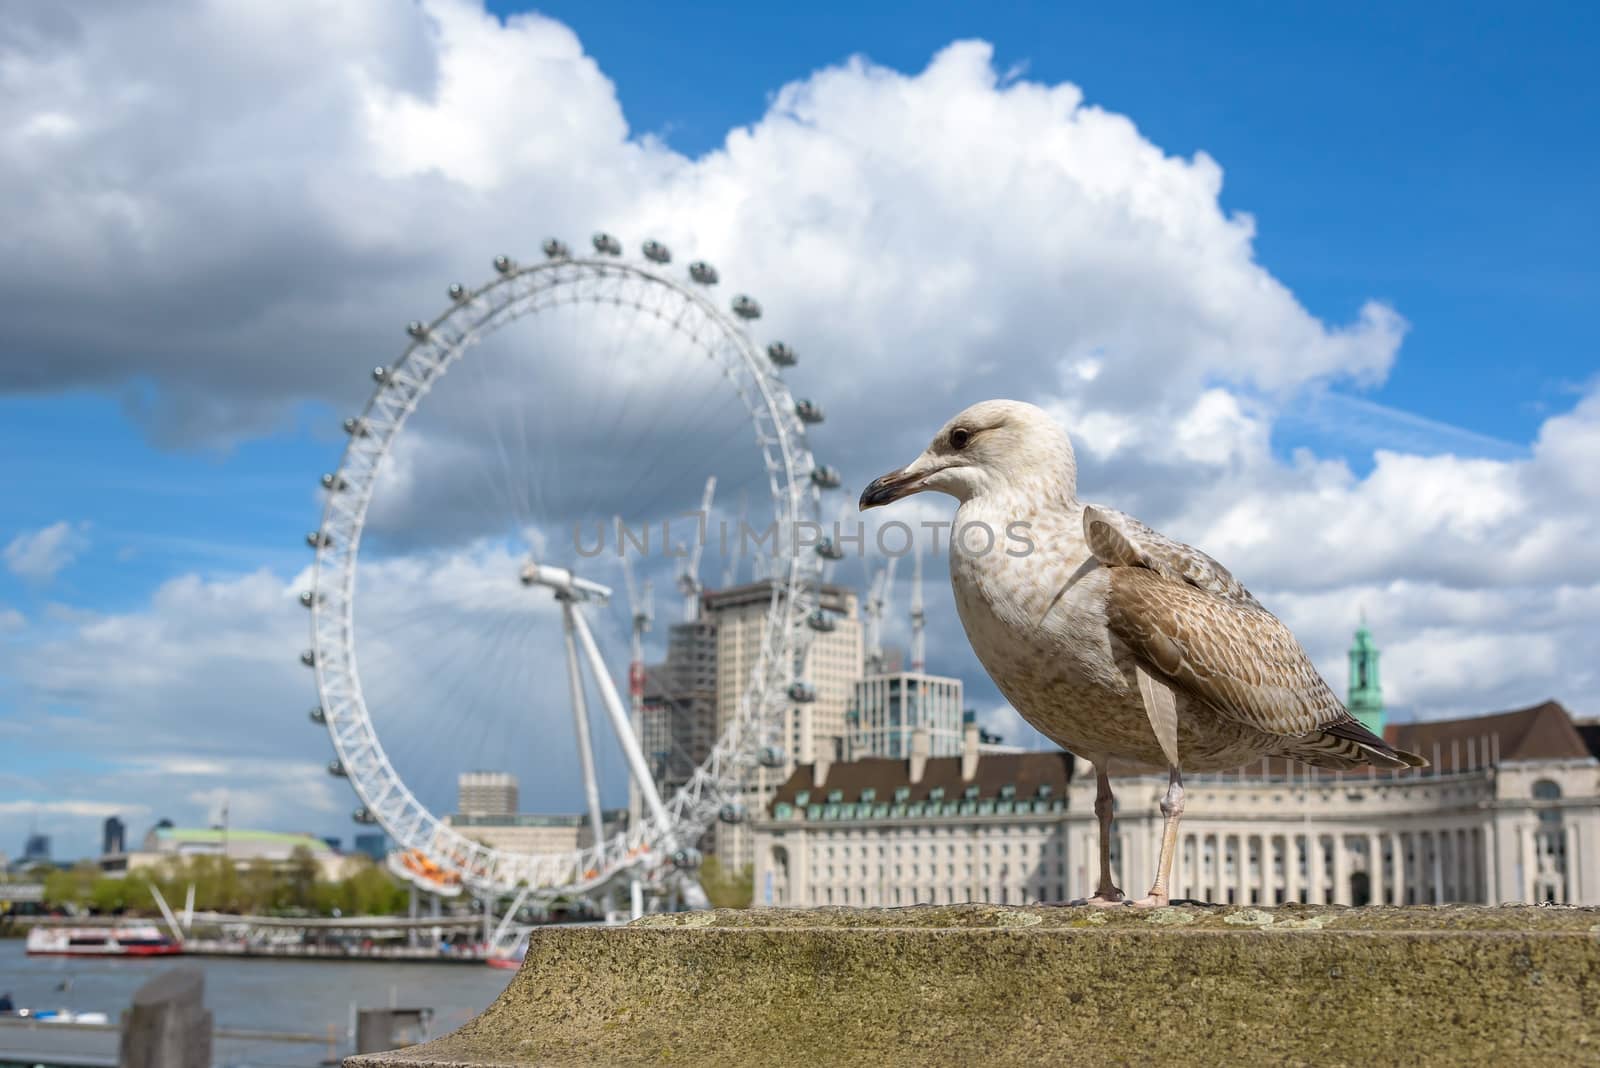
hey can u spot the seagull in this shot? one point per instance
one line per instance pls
(1113, 640)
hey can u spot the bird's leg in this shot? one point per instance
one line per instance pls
(1172, 809)
(1107, 893)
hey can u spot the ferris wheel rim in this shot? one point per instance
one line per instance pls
(504, 300)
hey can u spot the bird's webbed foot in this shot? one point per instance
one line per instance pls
(1104, 898)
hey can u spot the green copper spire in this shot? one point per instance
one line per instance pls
(1366, 693)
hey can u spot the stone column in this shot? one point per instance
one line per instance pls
(1251, 882)
(1291, 867)
(1583, 884)
(1341, 870)
(1446, 853)
(1374, 869)
(1269, 880)
(1208, 868)
(1314, 868)
(1491, 878)
(1439, 868)
(1569, 845)
(1530, 871)
(1399, 840)
(1236, 881)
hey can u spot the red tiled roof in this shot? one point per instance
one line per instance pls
(1540, 732)
(1024, 771)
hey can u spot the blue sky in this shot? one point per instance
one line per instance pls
(1439, 160)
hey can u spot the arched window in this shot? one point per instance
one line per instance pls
(1547, 790)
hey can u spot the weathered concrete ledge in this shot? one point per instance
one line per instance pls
(981, 985)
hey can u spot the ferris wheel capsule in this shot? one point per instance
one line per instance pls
(825, 477)
(819, 620)
(746, 307)
(318, 716)
(318, 540)
(307, 599)
(355, 427)
(459, 293)
(381, 376)
(308, 658)
(334, 482)
(808, 411)
(364, 816)
(607, 245)
(686, 858)
(504, 264)
(732, 812)
(781, 354)
(702, 272)
(555, 249)
(336, 769)
(656, 252)
(802, 692)
(828, 549)
(771, 756)
(417, 330)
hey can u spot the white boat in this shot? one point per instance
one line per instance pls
(134, 940)
(61, 1016)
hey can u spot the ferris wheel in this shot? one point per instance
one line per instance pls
(457, 559)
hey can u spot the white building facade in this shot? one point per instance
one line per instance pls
(889, 707)
(1509, 811)
(814, 729)
(885, 832)
(486, 793)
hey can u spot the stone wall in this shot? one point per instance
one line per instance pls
(979, 984)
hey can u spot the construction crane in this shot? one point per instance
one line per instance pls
(689, 574)
(641, 608)
(877, 608)
(919, 618)
(730, 567)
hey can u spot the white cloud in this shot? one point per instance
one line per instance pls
(40, 555)
(198, 696)
(96, 810)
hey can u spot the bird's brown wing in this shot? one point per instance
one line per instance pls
(1240, 661)
(1119, 540)
(1189, 622)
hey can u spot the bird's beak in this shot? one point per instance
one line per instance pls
(891, 487)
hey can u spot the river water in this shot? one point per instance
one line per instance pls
(263, 994)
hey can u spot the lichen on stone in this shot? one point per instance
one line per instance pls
(1249, 918)
(1169, 917)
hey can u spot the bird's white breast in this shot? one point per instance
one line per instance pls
(1036, 618)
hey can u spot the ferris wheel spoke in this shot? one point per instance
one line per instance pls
(454, 680)
(512, 489)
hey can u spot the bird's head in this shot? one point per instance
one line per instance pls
(993, 446)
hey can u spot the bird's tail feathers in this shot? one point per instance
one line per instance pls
(1347, 744)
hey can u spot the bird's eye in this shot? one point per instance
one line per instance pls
(959, 437)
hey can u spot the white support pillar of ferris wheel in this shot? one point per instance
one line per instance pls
(495, 940)
(580, 718)
(624, 731)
